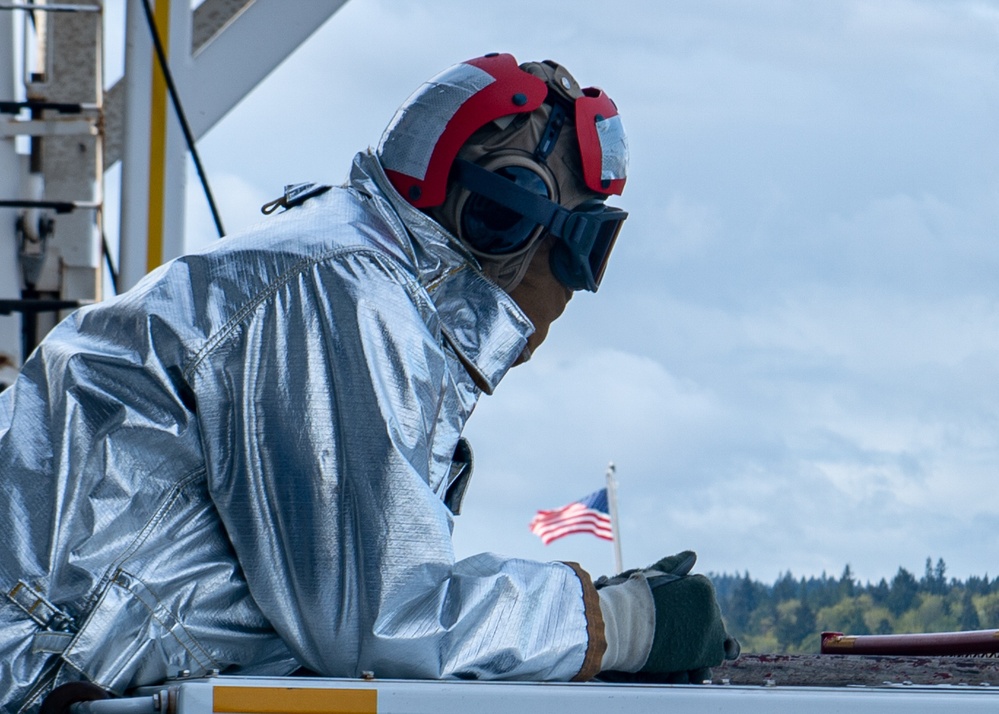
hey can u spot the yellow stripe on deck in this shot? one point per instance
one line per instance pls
(288, 700)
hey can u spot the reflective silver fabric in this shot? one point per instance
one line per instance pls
(242, 464)
(410, 138)
(613, 148)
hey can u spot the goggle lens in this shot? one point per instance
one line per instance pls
(580, 257)
(494, 229)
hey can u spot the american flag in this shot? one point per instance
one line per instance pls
(587, 515)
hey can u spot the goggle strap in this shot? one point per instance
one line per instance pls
(509, 195)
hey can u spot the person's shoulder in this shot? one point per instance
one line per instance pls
(335, 234)
(337, 222)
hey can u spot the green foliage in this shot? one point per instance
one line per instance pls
(790, 615)
(988, 609)
(847, 615)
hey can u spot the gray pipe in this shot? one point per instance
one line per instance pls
(126, 705)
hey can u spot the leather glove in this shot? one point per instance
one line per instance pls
(689, 637)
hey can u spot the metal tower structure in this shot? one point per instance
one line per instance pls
(60, 131)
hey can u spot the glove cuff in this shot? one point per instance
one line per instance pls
(595, 642)
(629, 614)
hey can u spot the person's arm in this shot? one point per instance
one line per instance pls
(318, 411)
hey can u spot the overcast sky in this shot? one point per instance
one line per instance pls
(793, 357)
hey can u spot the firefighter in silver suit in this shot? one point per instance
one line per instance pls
(251, 461)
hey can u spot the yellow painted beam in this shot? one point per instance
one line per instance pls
(157, 143)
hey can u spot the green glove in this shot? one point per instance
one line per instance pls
(690, 636)
(673, 566)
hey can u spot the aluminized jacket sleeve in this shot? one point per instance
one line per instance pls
(245, 464)
(345, 548)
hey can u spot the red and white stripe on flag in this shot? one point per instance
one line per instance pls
(577, 517)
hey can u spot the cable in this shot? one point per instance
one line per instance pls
(112, 271)
(175, 98)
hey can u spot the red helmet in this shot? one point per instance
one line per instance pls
(489, 115)
(419, 146)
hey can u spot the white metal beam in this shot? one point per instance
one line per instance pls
(223, 72)
(153, 172)
(295, 695)
(243, 41)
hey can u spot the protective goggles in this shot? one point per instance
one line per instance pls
(509, 206)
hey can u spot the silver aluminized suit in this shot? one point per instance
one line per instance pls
(245, 463)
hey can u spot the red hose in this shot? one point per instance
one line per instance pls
(931, 644)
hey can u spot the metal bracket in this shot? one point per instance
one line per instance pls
(52, 126)
(57, 206)
(61, 107)
(47, 127)
(40, 305)
(56, 7)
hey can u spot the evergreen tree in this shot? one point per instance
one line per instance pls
(879, 593)
(822, 591)
(977, 585)
(934, 579)
(904, 589)
(846, 583)
(969, 613)
(805, 622)
(785, 588)
(939, 575)
(742, 603)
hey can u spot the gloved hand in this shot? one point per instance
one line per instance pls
(672, 566)
(689, 636)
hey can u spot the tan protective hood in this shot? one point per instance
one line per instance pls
(511, 141)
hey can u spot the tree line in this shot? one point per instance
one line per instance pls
(790, 615)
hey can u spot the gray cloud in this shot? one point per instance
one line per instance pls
(793, 358)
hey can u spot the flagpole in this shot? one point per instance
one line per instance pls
(615, 528)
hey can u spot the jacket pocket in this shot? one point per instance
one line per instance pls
(131, 638)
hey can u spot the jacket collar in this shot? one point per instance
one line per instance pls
(481, 321)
